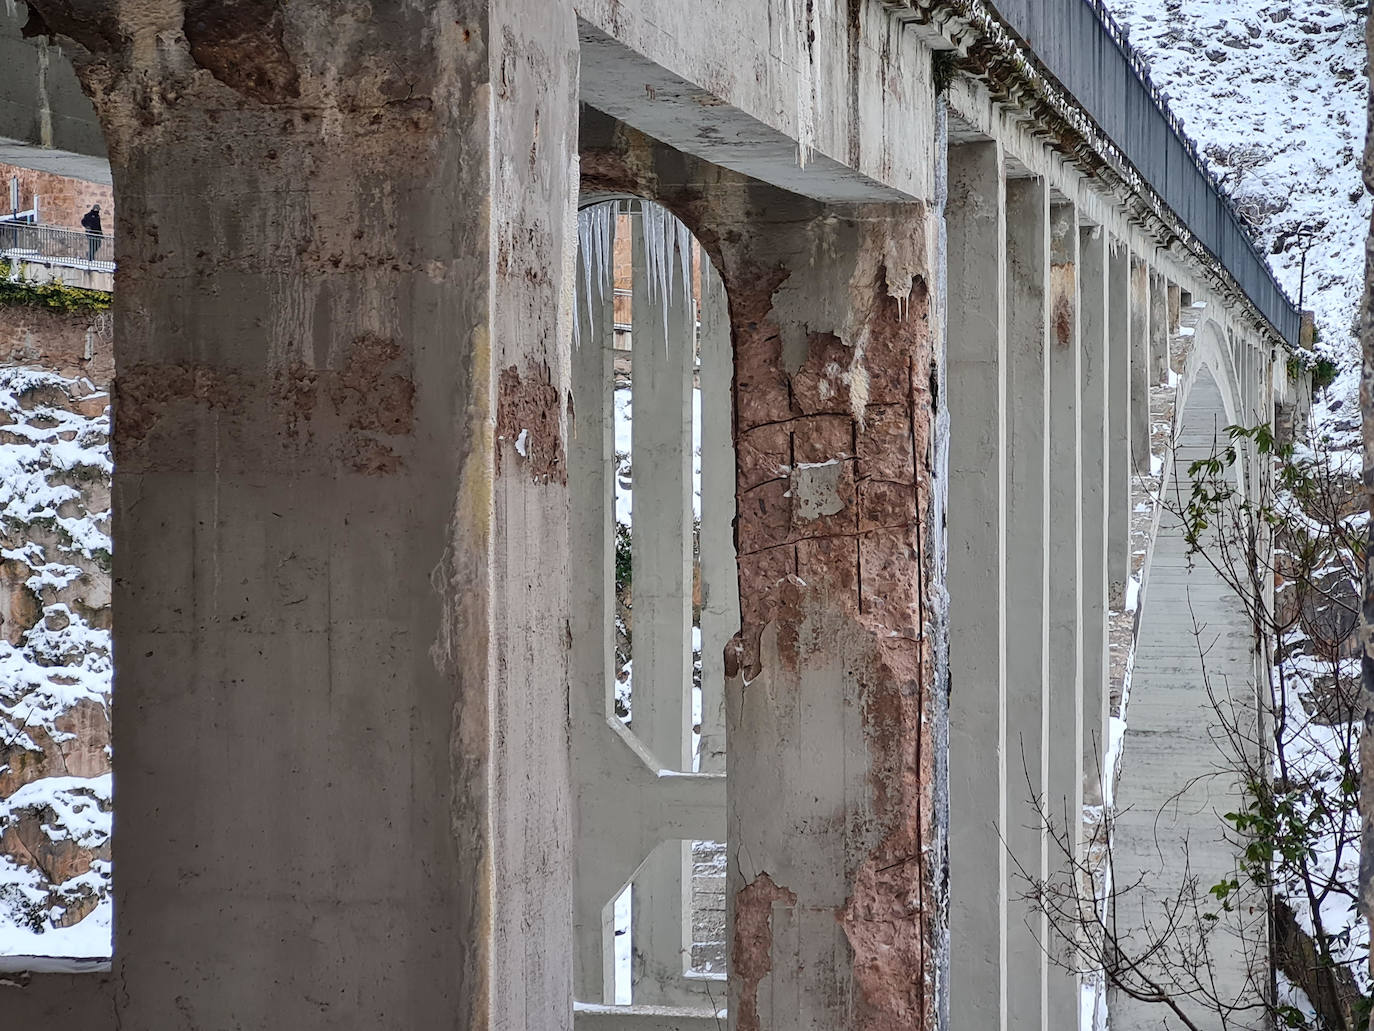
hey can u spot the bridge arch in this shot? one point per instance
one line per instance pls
(1212, 359)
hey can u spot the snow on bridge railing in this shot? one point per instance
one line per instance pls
(1082, 46)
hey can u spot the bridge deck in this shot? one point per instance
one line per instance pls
(1176, 779)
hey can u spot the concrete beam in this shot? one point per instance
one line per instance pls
(591, 611)
(619, 80)
(663, 365)
(1141, 376)
(1119, 428)
(41, 101)
(1159, 329)
(976, 353)
(719, 570)
(1095, 371)
(1064, 613)
(1027, 716)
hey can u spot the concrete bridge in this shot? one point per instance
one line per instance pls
(370, 765)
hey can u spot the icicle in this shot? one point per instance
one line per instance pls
(598, 272)
(684, 255)
(670, 259)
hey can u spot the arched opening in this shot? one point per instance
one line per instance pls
(56, 656)
(654, 602)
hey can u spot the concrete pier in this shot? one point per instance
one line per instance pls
(977, 220)
(1064, 605)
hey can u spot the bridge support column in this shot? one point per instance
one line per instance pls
(977, 361)
(1064, 615)
(1139, 304)
(1027, 717)
(1159, 330)
(834, 726)
(1119, 423)
(340, 510)
(1095, 349)
(663, 367)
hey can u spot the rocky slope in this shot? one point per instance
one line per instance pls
(55, 667)
(1274, 92)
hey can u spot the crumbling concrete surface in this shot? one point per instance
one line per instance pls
(836, 888)
(343, 788)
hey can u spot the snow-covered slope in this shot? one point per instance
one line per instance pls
(1274, 92)
(55, 668)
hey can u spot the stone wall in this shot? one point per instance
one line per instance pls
(62, 200)
(70, 345)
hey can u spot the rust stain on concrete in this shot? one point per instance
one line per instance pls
(751, 956)
(527, 423)
(240, 43)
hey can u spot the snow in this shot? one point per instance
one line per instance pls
(53, 462)
(1132, 592)
(1274, 93)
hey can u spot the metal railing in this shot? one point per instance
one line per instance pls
(1080, 44)
(54, 245)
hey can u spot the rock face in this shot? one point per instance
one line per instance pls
(1274, 92)
(55, 667)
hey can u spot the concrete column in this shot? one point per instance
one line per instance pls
(1064, 625)
(1140, 365)
(663, 364)
(1027, 718)
(977, 355)
(719, 573)
(834, 689)
(1119, 423)
(1174, 297)
(1095, 368)
(591, 598)
(340, 515)
(1159, 330)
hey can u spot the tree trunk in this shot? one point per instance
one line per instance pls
(1367, 616)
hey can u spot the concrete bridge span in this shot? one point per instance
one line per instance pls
(366, 596)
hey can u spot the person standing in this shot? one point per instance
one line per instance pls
(91, 223)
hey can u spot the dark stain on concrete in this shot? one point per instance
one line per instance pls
(240, 43)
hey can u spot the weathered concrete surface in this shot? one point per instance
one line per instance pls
(1064, 597)
(344, 788)
(1141, 379)
(1175, 782)
(832, 99)
(1028, 508)
(976, 355)
(1094, 364)
(1119, 423)
(40, 99)
(829, 710)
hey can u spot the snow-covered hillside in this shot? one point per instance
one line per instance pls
(55, 668)
(1274, 93)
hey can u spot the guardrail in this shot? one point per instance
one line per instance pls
(1080, 44)
(54, 245)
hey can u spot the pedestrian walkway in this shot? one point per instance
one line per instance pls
(1176, 772)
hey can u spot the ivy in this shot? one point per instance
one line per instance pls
(54, 295)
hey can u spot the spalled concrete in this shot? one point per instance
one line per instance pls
(335, 671)
(364, 617)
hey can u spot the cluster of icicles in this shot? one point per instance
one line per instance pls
(667, 257)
